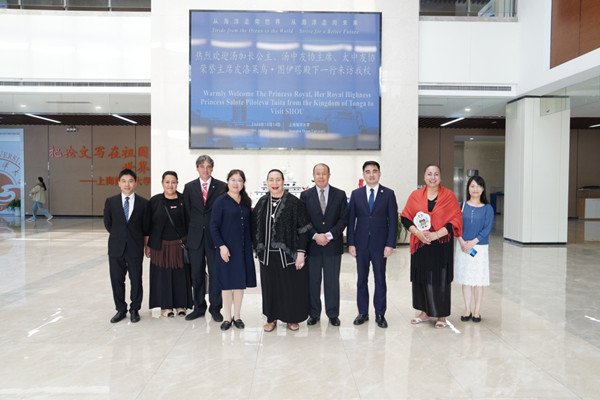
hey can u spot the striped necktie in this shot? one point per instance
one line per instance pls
(126, 208)
(205, 191)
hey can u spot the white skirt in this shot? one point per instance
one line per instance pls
(472, 271)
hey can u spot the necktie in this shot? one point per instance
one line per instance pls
(204, 191)
(371, 200)
(322, 201)
(126, 208)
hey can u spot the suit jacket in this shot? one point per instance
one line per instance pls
(198, 213)
(334, 220)
(126, 235)
(159, 220)
(376, 229)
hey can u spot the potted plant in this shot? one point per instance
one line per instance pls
(403, 234)
(15, 205)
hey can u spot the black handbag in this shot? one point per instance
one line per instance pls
(186, 253)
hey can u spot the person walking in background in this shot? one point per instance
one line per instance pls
(327, 208)
(170, 285)
(230, 227)
(280, 236)
(372, 231)
(127, 220)
(38, 192)
(198, 198)
(472, 269)
(431, 261)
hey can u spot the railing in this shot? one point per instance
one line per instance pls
(468, 8)
(89, 5)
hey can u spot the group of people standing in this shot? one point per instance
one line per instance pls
(201, 242)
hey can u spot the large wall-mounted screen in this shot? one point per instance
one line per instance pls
(296, 80)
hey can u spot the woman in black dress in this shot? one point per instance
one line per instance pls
(431, 246)
(230, 229)
(170, 284)
(280, 234)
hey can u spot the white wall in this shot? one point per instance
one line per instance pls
(468, 52)
(398, 157)
(73, 45)
(537, 167)
(533, 54)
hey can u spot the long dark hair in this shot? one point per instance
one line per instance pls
(245, 198)
(479, 180)
(42, 182)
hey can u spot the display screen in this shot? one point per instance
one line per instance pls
(295, 80)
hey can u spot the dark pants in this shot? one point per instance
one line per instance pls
(364, 257)
(329, 268)
(119, 267)
(199, 258)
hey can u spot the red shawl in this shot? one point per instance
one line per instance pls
(446, 211)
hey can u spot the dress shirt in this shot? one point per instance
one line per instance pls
(375, 190)
(326, 194)
(131, 201)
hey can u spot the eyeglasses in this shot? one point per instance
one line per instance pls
(236, 181)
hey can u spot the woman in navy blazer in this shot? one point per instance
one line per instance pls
(230, 230)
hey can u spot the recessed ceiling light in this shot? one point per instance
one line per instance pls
(98, 107)
(471, 138)
(467, 109)
(23, 106)
(453, 121)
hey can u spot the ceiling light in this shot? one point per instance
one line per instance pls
(98, 107)
(124, 119)
(467, 109)
(594, 126)
(23, 106)
(44, 118)
(453, 121)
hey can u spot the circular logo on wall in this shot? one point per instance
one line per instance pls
(10, 178)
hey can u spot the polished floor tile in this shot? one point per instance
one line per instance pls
(539, 337)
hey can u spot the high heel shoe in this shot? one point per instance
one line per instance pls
(465, 319)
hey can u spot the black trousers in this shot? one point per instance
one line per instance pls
(327, 267)
(199, 259)
(118, 268)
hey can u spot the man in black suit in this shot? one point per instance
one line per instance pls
(198, 198)
(372, 228)
(127, 219)
(327, 208)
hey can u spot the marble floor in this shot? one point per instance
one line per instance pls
(539, 337)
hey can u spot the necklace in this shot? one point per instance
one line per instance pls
(275, 204)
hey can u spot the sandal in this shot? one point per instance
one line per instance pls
(440, 324)
(293, 326)
(270, 326)
(167, 313)
(418, 320)
(181, 312)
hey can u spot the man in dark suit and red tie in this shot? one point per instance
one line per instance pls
(198, 198)
(127, 220)
(372, 229)
(327, 208)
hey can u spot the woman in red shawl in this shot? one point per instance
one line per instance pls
(431, 247)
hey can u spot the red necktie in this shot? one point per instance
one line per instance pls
(204, 191)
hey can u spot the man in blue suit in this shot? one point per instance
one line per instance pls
(327, 208)
(372, 229)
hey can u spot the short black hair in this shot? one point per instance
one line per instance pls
(367, 163)
(128, 171)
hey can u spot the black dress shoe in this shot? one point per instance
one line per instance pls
(194, 314)
(118, 317)
(217, 317)
(134, 315)
(225, 325)
(361, 319)
(238, 323)
(312, 320)
(381, 322)
(335, 321)
(465, 319)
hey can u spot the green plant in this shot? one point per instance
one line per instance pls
(403, 233)
(15, 203)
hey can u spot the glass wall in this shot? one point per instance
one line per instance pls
(100, 5)
(468, 8)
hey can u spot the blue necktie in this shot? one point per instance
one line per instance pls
(371, 200)
(126, 208)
